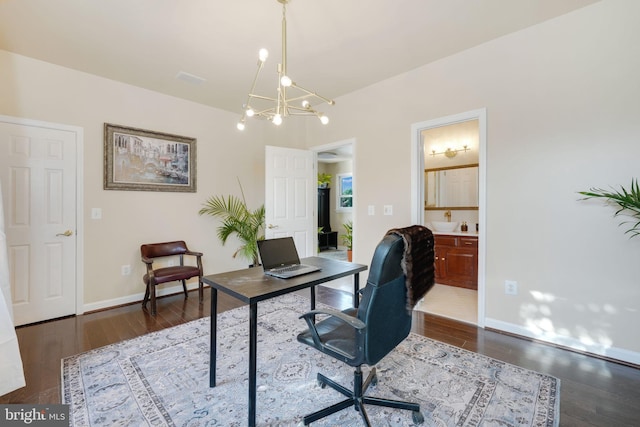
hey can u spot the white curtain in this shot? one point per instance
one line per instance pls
(11, 372)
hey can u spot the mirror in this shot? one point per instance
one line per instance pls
(451, 188)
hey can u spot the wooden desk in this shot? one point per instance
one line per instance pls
(251, 285)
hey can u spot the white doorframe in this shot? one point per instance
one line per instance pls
(417, 186)
(79, 132)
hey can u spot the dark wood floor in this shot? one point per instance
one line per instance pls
(593, 392)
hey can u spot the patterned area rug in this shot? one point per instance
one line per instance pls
(161, 379)
(336, 254)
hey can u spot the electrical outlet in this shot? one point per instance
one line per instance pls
(388, 209)
(510, 287)
(125, 270)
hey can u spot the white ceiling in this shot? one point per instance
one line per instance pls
(334, 46)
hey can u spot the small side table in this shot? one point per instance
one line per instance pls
(328, 240)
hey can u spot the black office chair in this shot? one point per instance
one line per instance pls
(366, 334)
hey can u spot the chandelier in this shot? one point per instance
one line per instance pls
(290, 99)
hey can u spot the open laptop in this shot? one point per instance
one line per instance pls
(280, 258)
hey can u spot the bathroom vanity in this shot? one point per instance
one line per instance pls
(456, 259)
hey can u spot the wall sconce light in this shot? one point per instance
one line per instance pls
(450, 153)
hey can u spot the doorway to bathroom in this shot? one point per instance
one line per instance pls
(448, 196)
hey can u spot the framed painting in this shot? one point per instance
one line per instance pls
(143, 160)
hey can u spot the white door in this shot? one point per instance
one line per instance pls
(291, 197)
(38, 176)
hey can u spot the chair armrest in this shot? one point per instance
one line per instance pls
(147, 261)
(309, 317)
(198, 256)
(354, 322)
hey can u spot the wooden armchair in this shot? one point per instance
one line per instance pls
(180, 272)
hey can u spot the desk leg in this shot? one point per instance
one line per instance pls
(356, 290)
(313, 302)
(253, 341)
(213, 337)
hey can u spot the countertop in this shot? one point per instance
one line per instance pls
(455, 233)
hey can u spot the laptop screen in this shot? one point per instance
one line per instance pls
(275, 253)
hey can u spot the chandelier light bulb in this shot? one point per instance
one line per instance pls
(285, 81)
(286, 101)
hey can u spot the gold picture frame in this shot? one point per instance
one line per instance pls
(144, 160)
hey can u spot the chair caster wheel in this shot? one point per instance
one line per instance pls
(417, 416)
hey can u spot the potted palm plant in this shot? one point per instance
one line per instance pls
(628, 202)
(347, 239)
(238, 219)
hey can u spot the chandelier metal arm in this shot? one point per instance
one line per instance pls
(267, 98)
(283, 106)
(310, 93)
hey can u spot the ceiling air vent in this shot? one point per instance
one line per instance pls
(190, 78)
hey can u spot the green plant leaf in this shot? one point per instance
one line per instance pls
(237, 219)
(628, 202)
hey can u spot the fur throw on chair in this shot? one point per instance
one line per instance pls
(417, 262)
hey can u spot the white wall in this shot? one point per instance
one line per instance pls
(41, 91)
(562, 107)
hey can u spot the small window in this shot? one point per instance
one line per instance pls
(345, 192)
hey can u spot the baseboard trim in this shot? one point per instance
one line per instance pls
(130, 299)
(612, 354)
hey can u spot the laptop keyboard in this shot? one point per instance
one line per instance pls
(286, 269)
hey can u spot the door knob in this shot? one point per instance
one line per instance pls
(66, 233)
(270, 226)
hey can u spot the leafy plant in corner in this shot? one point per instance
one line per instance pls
(347, 238)
(627, 200)
(237, 219)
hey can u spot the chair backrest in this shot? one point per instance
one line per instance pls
(384, 301)
(156, 250)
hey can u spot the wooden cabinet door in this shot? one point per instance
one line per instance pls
(461, 267)
(456, 262)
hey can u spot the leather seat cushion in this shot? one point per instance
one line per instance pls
(170, 274)
(334, 333)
